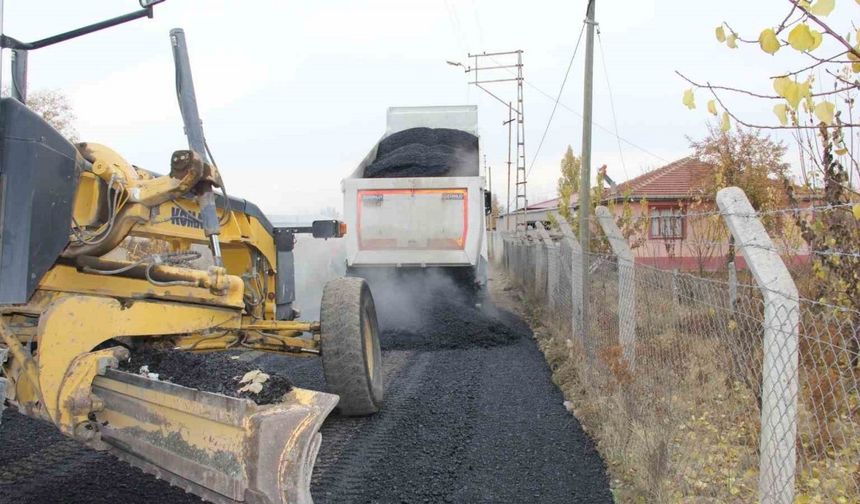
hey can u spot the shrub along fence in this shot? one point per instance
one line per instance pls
(698, 388)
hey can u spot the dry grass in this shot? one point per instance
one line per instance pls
(684, 425)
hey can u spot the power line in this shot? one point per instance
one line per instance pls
(478, 23)
(456, 27)
(595, 123)
(611, 103)
(555, 105)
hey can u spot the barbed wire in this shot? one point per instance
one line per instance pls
(682, 276)
(776, 248)
(686, 276)
(756, 213)
(798, 250)
(760, 213)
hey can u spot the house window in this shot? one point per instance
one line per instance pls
(666, 222)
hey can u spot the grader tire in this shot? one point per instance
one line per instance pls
(351, 357)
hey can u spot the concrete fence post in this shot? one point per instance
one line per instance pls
(778, 457)
(626, 283)
(512, 257)
(522, 260)
(578, 324)
(503, 259)
(539, 254)
(551, 255)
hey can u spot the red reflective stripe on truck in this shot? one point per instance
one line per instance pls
(390, 243)
(465, 219)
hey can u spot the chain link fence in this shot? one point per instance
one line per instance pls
(698, 387)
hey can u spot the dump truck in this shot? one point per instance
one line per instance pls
(72, 309)
(417, 200)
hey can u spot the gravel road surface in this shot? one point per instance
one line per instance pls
(470, 416)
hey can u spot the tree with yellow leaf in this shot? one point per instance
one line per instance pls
(568, 183)
(822, 92)
(745, 158)
(820, 115)
(632, 226)
(814, 101)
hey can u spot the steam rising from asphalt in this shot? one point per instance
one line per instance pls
(405, 298)
(418, 309)
(316, 262)
(399, 295)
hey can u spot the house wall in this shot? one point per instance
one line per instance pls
(703, 246)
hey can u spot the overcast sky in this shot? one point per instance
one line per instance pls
(293, 94)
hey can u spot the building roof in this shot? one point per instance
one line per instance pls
(675, 180)
(543, 205)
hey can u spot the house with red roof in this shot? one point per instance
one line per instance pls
(677, 223)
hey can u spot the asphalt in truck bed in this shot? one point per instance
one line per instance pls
(463, 421)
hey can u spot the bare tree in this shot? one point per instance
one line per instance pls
(55, 107)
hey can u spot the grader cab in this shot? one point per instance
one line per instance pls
(71, 311)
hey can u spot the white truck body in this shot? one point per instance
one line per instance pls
(417, 221)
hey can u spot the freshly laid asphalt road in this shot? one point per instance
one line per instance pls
(470, 416)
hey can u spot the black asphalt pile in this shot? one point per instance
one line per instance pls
(434, 312)
(454, 326)
(425, 152)
(213, 372)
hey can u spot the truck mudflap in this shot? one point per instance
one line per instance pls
(223, 449)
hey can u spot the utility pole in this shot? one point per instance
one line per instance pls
(493, 218)
(522, 202)
(488, 217)
(489, 171)
(585, 183)
(514, 73)
(509, 122)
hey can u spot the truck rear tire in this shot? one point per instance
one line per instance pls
(349, 344)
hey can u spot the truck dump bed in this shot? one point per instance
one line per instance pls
(426, 221)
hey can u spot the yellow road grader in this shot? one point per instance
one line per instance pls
(70, 310)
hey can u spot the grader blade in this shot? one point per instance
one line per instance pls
(223, 449)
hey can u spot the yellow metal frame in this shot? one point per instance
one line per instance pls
(88, 310)
(76, 309)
